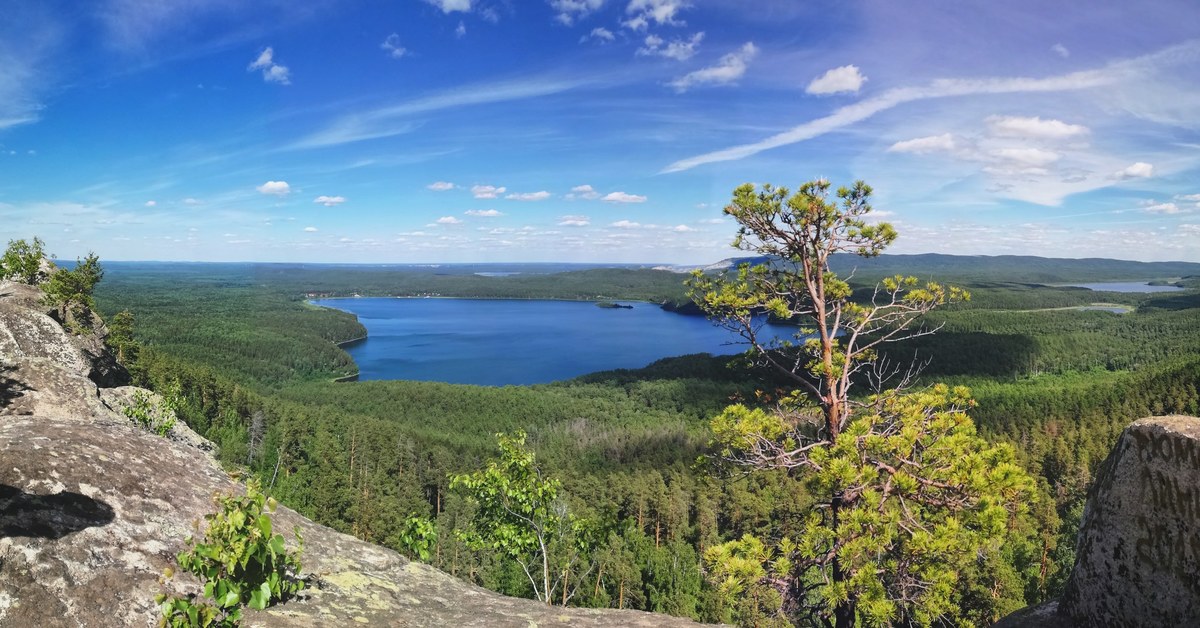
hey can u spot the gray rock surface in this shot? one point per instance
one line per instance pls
(1138, 552)
(1137, 557)
(94, 509)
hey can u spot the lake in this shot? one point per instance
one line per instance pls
(500, 342)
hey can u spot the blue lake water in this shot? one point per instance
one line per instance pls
(1125, 286)
(500, 342)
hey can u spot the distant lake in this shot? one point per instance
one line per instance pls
(500, 342)
(1124, 286)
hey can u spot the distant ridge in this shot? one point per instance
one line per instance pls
(1024, 268)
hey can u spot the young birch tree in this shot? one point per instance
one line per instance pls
(905, 491)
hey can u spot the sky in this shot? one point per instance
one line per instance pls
(436, 131)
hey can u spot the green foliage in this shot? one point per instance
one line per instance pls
(747, 572)
(22, 261)
(416, 537)
(120, 338)
(70, 292)
(155, 417)
(240, 561)
(521, 515)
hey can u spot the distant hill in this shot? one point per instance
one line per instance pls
(1019, 268)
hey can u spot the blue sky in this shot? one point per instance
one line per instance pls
(591, 130)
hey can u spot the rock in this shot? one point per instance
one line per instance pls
(27, 330)
(93, 509)
(1137, 557)
(1138, 553)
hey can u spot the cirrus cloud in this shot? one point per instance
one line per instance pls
(329, 201)
(528, 196)
(441, 186)
(486, 213)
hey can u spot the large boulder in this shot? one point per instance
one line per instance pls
(1137, 557)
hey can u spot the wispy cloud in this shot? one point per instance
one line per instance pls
(677, 49)
(329, 201)
(857, 112)
(529, 196)
(661, 12)
(728, 69)
(393, 47)
(569, 11)
(441, 186)
(1129, 70)
(450, 6)
(271, 72)
(1138, 170)
(391, 121)
(483, 213)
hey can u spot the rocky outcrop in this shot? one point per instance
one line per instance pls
(93, 509)
(1138, 553)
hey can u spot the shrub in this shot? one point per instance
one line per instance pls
(240, 561)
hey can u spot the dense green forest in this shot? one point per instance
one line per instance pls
(257, 367)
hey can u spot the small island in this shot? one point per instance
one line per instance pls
(612, 305)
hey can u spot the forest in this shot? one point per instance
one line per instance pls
(632, 451)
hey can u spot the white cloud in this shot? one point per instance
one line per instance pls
(450, 6)
(277, 188)
(682, 229)
(658, 11)
(1027, 156)
(728, 69)
(448, 220)
(678, 49)
(487, 191)
(393, 47)
(311, 229)
(486, 213)
(1138, 170)
(922, 145)
(1060, 50)
(625, 224)
(1034, 128)
(574, 221)
(859, 111)
(584, 192)
(529, 196)
(441, 186)
(151, 203)
(846, 78)
(1162, 208)
(330, 201)
(271, 72)
(600, 34)
(712, 221)
(568, 11)
(394, 120)
(621, 197)
(191, 201)
(461, 30)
